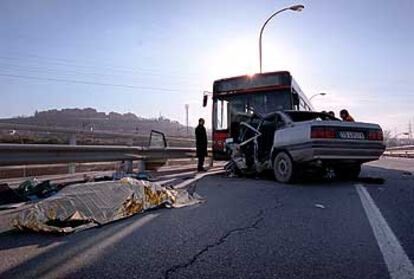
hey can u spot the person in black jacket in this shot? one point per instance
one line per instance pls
(201, 144)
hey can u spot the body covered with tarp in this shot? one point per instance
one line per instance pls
(85, 205)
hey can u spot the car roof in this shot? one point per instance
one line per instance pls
(288, 111)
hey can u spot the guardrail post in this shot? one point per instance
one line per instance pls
(72, 166)
(129, 166)
(130, 142)
(141, 166)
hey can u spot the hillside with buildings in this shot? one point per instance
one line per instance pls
(89, 119)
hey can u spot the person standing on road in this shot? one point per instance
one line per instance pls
(201, 144)
(346, 116)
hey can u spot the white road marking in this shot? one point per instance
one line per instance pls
(198, 177)
(398, 264)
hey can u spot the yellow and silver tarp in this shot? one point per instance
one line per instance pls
(85, 205)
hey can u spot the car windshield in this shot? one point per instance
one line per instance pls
(300, 116)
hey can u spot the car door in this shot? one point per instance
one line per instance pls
(268, 128)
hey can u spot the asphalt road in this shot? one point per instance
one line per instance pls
(247, 228)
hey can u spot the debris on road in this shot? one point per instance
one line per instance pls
(319, 205)
(85, 205)
(34, 189)
(137, 175)
(8, 195)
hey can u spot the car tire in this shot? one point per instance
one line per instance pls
(284, 168)
(348, 172)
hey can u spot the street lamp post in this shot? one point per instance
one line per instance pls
(317, 94)
(186, 116)
(296, 8)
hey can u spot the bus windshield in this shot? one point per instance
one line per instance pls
(242, 104)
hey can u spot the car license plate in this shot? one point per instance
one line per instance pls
(351, 135)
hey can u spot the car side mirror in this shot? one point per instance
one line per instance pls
(157, 139)
(205, 99)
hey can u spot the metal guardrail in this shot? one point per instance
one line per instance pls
(27, 154)
(403, 147)
(95, 133)
(30, 154)
(406, 153)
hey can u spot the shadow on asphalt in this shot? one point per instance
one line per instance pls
(317, 181)
(371, 180)
(15, 239)
(67, 246)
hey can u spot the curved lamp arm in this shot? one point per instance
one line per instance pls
(296, 8)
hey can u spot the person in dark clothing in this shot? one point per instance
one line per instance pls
(201, 144)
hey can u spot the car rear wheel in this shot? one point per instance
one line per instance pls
(284, 168)
(348, 172)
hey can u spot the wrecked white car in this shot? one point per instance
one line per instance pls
(291, 142)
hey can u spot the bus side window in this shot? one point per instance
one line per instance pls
(295, 97)
(221, 114)
(303, 105)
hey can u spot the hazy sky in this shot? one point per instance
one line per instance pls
(152, 57)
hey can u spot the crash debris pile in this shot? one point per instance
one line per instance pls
(29, 190)
(8, 195)
(85, 205)
(33, 189)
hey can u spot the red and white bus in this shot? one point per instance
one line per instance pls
(235, 97)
